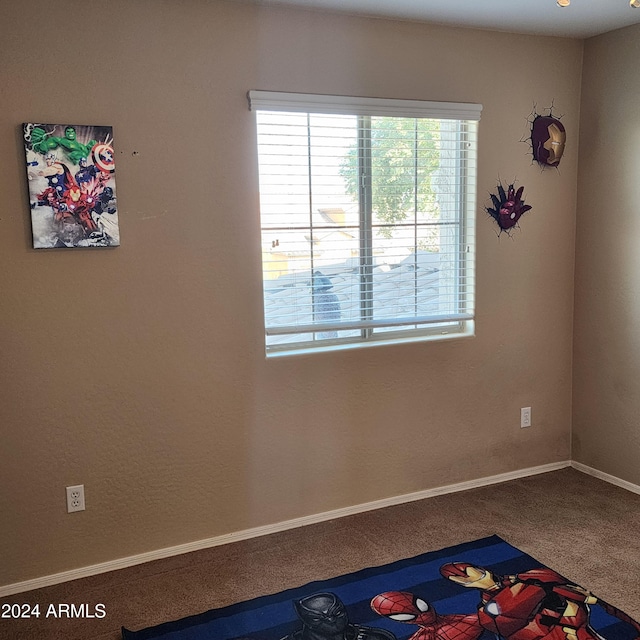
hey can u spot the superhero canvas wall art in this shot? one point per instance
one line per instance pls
(72, 187)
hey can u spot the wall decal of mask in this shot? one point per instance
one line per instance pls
(548, 137)
(508, 207)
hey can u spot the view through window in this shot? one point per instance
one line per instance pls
(367, 222)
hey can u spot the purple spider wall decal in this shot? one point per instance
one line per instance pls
(508, 207)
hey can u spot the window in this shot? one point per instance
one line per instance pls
(367, 213)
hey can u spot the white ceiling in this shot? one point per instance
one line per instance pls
(582, 19)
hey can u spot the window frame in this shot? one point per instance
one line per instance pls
(461, 324)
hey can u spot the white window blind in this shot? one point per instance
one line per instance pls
(367, 215)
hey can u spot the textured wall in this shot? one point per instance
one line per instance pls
(607, 296)
(140, 371)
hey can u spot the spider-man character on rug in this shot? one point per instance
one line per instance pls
(411, 609)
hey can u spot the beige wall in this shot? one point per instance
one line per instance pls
(606, 394)
(140, 371)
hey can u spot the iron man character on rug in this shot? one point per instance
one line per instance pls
(533, 605)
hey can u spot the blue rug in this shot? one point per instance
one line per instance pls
(440, 595)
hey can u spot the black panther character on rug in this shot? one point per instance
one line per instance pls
(324, 617)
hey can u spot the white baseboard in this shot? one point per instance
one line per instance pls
(629, 486)
(121, 563)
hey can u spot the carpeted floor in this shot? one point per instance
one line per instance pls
(583, 527)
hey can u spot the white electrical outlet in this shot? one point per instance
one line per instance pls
(525, 417)
(75, 498)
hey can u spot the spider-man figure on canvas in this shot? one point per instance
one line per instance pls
(533, 605)
(411, 609)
